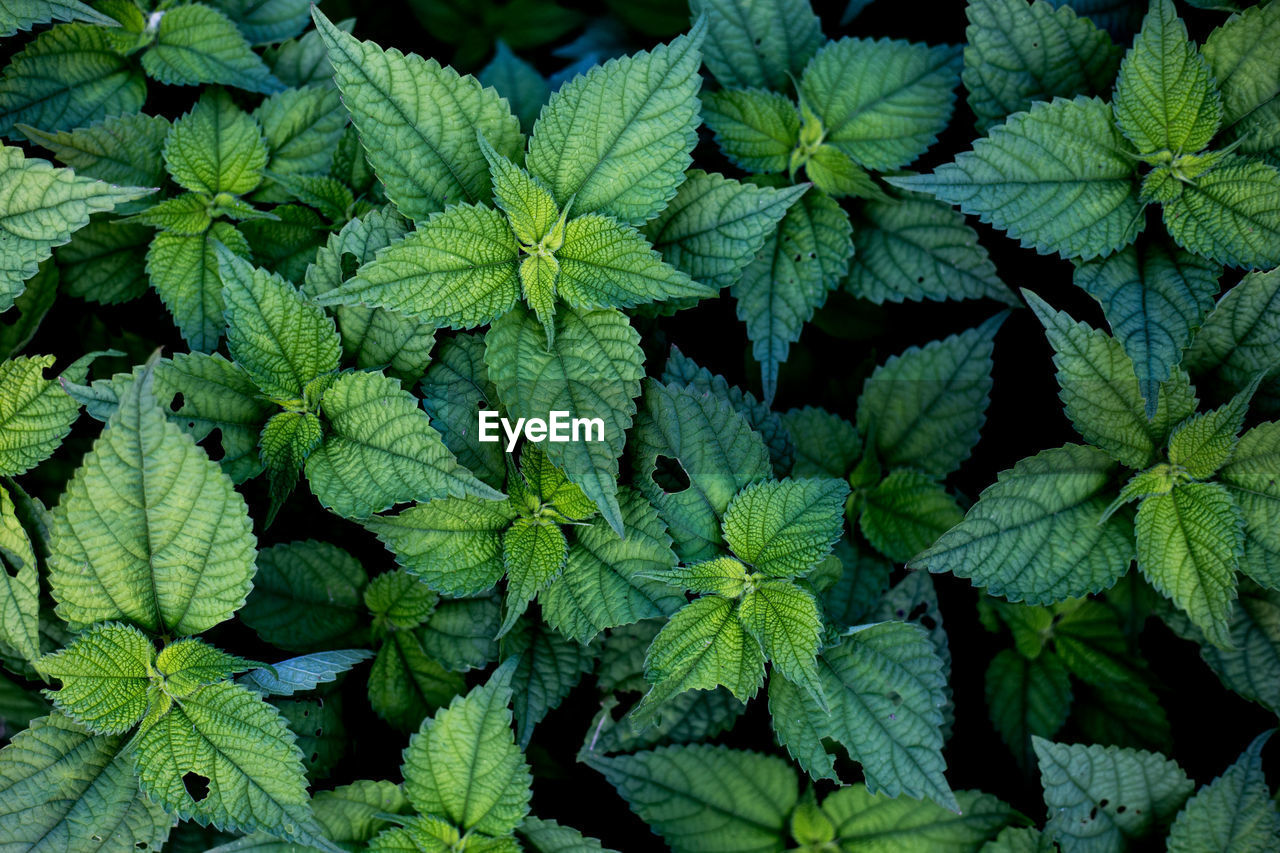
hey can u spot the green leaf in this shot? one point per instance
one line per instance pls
(1230, 214)
(399, 601)
(123, 150)
(19, 585)
(454, 545)
(607, 581)
(826, 444)
(547, 836)
(519, 82)
(455, 386)
(1251, 666)
(1238, 53)
(217, 397)
(783, 617)
(266, 21)
(460, 634)
(301, 127)
(628, 162)
(1154, 298)
(26, 14)
(1101, 798)
(1189, 545)
(707, 799)
(755, 129)
(405, 685)
(463, 764)
(184, 272)
(241, 745)
(789, 279)
(35, 414)
(604, 264)
(282, 340)
(458, 269)
(288, 243)
(68, 77)
(702, 647)
(1027, 697)
(381, 450)
(906, 513)
(1241, 336)
(533, 553)
(149, 529)
(104, 675)
(784, 529)
(1017, 54)
(1233, 812)
(198, 44)
(882, 103)
(56, 779)
(925, 408)
(185, 665)
(1250, 479)
(287, 440)
(216, 147)
(593, 370)
(546, 490)
(1059, 178)
(105, 262)
(1037, 533)
(764, 45)
(1165, 97)
(303, 673)
(1205, 442)
(410, 105)
(878, 824)
(548, 667)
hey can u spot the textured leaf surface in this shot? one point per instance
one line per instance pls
(784, 529)
(306, 595)
(549, 667)
(607, 265)
(763, 45)
(405, 685)
(1238, 53)
(19, 585)
(534, 553)
(184, 271)
(1241, 336)
(1058, 178)
(35, 414)
(216, 147)
(1230, 214)
(784, 619)
(906, 513)
(878, 824)
(198, 44)
(25, 14)
(123, 150)
(517, 81)
(755, 129)
(1250, 478)
(1233, 812)
(303, 673)
(1027, 697)
(104, 675)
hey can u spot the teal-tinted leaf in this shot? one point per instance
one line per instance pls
(19, 586)
(629, 161)
(755, 129)
(304, 61)
(303, 673)
(405, 685)
(1238, 53)
(266, 21)
(882, 103)
(906, 513)
(864, 577)
(460, 634)
(184, 272)
(790, 277)
(216, 147)
(25, 14)
(1059, 178)
(123, 150)
(198, 44)
(826, 444)
(548, 667)
(517, 81)
(1027, 697)
(454, 388)
(105, 262)
(1250, 478)
(878, 824)
(1230, 214)
(764, 45)
(1036, 535)
(1241, 337)
(405, 105)
(1233, 812)
(301, 128)
(785, 528)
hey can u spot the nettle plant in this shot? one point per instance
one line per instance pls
(317, 257)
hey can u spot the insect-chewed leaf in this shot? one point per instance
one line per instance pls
(306, 595)
(883, 103)
(604, 264)
(1233, 812)
(1037, 534)
(906, 513)
(593, 370)
(216, 147)
(198, 44)
(1189, 545)
(35, 414)
(104, 675)
(785, 528)
(463, 764)
(149, 529)
(1230, 213)
(410, 105)
(1165, 98)
(519, 82)
(1102, 797)
(756, 130)
(1059, 178)
(1239, 55)
(1019, 53)
(30, 13)
(702, 797)
(784, 619)
(69, 76)
(382, 450)
(56, 779)
(925, 407)
(184, 271)
(628, 162)
(758, 44)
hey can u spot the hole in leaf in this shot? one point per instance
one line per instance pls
(1093, 813)
(319, 731)
(919, 279)
(895, 697)
(178, 402)
(1120, 809)
(669, 475)
(10, 566)
(315, 756)
(213, 444)
(1103, 803)
(197, 786)
(928, 622)
(11, 317)
(141, 845)
(350, 263)
(919, 610)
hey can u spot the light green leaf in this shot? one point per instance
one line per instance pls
(287, 440)
(35, 414)
(303, 673)
(198, 44)
(1239, 57)
(548, 667)
(906, 513)
(519, 82)
(149, 529)
(1037, 534)
(1017, 54)
(288, 243)
(382, 450)
(875, 823)
(630, 160)
(755, 129)
(68, 77)
(783, 617)
(123, 150)
(1241, 336)
(217, 396)
(458, 269)
(826, 444)
(925, 408)
(593, 370)
(184, 272)
(1027, 697)
(1233, 812)
(604, 264)
(454, 545)
(1205, 442)
(56, 779)
(758, 44)
(547, 836)
(533, 553)
(1189, 546)
(707, 799)
(1230, 213)
(104, 675)
(242, 747)
(26, 14)
(1250, 479)
(463, 764)
(19, 585)
(1059, 178)
(399, 601)
(547, 489)
(301, 127)
(1077, 779)
(607, 581)
(266, 21)
(789, 279)
(187, 214)
(405, 685)
(216, 147)
(882, 103)
(306, 595)
(280, 338)
(1165, 97)
(530, 208)
(185, 665)
(406, 105)
(785, 528)
(1154, 298)
(725, 576)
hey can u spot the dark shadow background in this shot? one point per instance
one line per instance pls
(826, 368)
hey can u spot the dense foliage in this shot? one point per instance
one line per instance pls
(266, 586)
